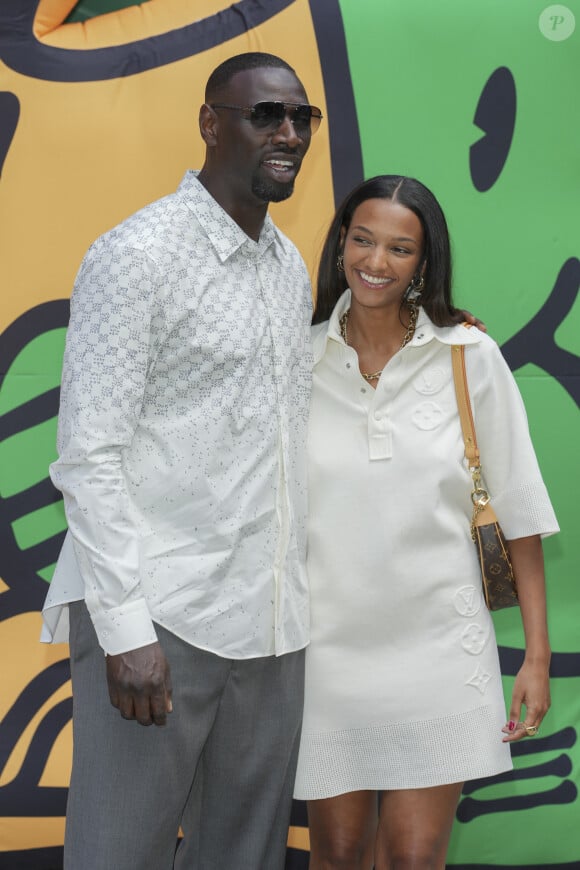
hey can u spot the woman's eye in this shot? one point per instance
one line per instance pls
(360, 241)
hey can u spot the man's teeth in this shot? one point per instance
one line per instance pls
(285, 164)
(373, 279)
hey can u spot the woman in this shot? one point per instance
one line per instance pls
(403, 686)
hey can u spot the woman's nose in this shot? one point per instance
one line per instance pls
(378, 258)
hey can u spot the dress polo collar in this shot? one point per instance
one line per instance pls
(223, 232)
(425, 331)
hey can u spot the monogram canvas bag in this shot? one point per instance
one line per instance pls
(499, 585)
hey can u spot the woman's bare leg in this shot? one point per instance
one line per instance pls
(343, 831)
(415, 826)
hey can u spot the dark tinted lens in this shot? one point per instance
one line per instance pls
(268, 114)
(301, 118)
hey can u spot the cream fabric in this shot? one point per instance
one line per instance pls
(182, 429)
(403, 687)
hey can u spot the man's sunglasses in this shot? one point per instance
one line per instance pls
(269, 115)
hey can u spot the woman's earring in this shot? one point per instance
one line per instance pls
(412, 294)
(340, 263)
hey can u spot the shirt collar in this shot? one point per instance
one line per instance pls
(223, 232)
(425, 331)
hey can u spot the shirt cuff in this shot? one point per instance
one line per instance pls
(124, 628)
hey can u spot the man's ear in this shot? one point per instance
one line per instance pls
(208, 125)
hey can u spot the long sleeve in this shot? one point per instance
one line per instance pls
(108, 351)
(182, 434)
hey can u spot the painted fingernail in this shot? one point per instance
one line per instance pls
(511, 725)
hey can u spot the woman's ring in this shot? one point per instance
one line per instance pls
(531, 730)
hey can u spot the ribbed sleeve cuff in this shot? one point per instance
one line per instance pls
(526, 511)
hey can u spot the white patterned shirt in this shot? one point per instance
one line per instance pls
(182, 434)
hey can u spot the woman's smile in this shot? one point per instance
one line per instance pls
(373, 280)
(382, 250)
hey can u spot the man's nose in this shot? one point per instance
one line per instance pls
(287, 132)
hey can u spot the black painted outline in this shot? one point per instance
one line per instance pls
(345, 143)
(569, 865)
(23, 796)
(536, 343)
(50, 858)
(495, 116)
(22, 52)
(562, 664)
(26, 590)
(9, 115)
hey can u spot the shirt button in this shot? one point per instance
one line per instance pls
(363, 389)
(348, 365)
(378, 415)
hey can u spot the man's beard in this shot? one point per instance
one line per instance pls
(271, 191)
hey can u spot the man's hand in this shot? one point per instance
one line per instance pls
(140, 684)
(462, 316)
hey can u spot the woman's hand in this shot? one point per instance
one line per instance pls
(532, 690)
(531, 686)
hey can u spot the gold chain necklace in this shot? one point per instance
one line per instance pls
(413, 314)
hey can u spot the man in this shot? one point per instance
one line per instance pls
(182, 428)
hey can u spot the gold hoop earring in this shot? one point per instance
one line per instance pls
(340, 263)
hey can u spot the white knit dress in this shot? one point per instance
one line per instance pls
(403, 686)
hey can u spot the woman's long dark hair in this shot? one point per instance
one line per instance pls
(436, 294)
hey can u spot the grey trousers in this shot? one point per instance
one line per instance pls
(222, 768)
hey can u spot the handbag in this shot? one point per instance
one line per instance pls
(498, 581)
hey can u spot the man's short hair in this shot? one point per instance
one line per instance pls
(222, 74)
